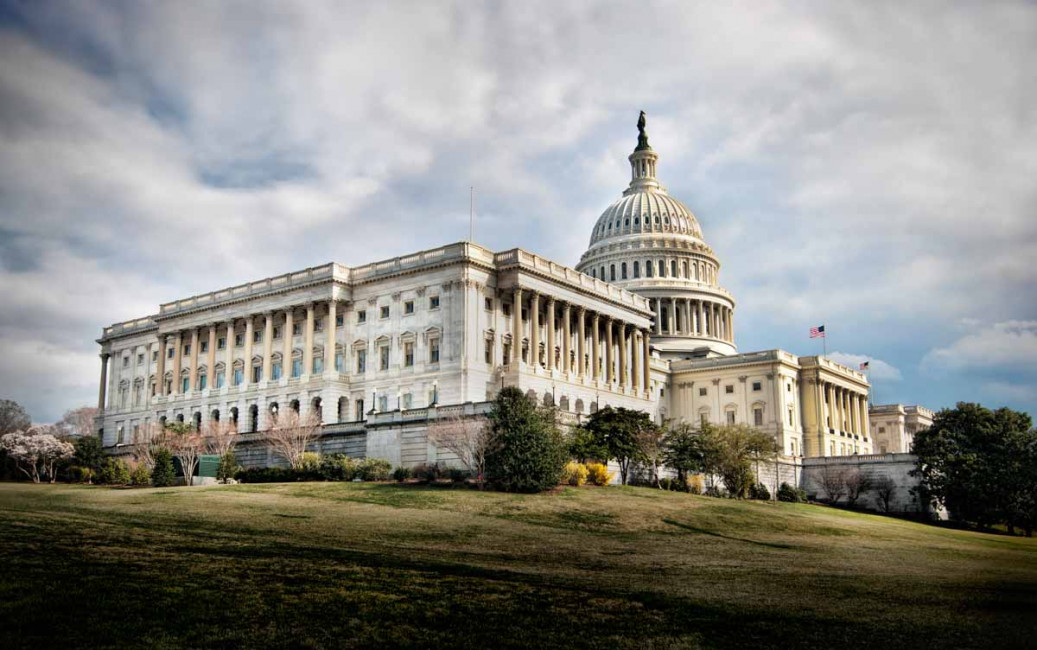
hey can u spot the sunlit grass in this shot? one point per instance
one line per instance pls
(333, 564)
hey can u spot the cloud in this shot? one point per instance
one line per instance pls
(1010, 345)
(882, 185)
(877, 369)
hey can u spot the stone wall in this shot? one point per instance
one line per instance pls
(896, 467)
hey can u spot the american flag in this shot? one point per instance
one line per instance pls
(817, 332)
(865, 365)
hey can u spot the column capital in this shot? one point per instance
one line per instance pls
(105, 356)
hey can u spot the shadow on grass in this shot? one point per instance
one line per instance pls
(703, 531)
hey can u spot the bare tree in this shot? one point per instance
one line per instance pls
(833, 482)
(465, 437)
(185, 443)
(857, 483)
(149, 439)
(13, 417)
(884, 488)
(78, 422)
(291, 433)
(650, 448)
(220, 437)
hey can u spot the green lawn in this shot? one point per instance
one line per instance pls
(361, 565)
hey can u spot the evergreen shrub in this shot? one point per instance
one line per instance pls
(163, 474)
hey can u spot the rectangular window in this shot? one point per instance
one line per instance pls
(221, 343)
(239, 340)
(408, 354)
(433, 302)
(408, 307)
(408, 399)
(185, 384)
(277, 332)
(758, 417)
(296, 329)
(757, 386)
(257, 336)
(361, 316)
(275, 371)
(154, 355)
(507, 310)
(488, 353)
(125, 362)
(729, 389)
(383, 403)
(791, 421)
(359, 406)
(220, 379)
(239, 376)
(169, 353)
(202, 382)
(318, 324)
(384, 311)
(730, 417)
(702, 392)
(383, 357)
(205, 346)
(257, 374)
(318, 365)
(140, 359)
(433, 351)
(361, 361)
(340, 320)
(187, 350)
(296, 368)
(488, 303)
(339, 361)
(702, 419)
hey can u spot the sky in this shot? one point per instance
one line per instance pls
(868, 166)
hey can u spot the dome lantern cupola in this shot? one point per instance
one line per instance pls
(642, 162)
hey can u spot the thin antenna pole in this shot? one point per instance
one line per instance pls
(471, 214)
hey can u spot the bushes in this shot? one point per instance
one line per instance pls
(599, 474)
(574, 474)
(458, 475)
(140, 475)
(789, 494)
(79, 474)
(696, 484)
(227, 468)
(760, 492)
(333, 467)
(428, 472)
(526, 452)
(401, 474)
(114, 472)
(163, 474)
(373, 469)
(337, 467)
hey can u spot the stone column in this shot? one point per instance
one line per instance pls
(286, 345)
(687, 317)
(622, 355)
(250, 329)
(702, 318)
(658, 316)
(673, 316)
(307, 351)
(329, 343)
(534, 331)
(101, 392)
(865, 420)
(635, 365)
(178, 355)
(595, 348)
(732, 319)
(567, 340)
(581, 343)
(516, 328)
(830, 392)
(160, 369)
(210, 378)
(268, 345)
(550, 334)
(610, 363)
(192, 384)
(646, 359)
(228, 371)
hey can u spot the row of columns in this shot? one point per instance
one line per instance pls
(267, 341)
(847, 409)
(697, 318)
(624, 362)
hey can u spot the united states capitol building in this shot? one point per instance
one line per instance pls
(379, 351)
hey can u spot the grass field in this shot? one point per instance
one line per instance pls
(360, 565)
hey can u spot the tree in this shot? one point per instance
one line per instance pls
(833, 482)
(684, 450)
(615, 431)
(220, 437)
(884, 488)
(465, 437)
(978, 463)
(163, 474)
(650, 448)
(147, 443)
(857, 483)
(186, 445)
(291, 434)
(88, 453)
(731, 450)
(525, 450)
(79, 422)
(36, 453)
(13, 417)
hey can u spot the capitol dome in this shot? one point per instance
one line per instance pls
(650, 243)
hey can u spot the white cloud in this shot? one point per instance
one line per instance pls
(877, 368)
(1010, 345)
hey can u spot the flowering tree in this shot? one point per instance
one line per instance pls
(291, 434)
(186, 444)
(465, 437)
(35, 451)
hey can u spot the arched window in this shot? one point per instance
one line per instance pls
(215, 415)
(662, 269)
(196, 421)
(253, 418)
(234, 415)
(648, 269)
(602, 272)
(294, 405)
(684, 270)
(594, 273)
(623, 270)
(637, 269)
(579, 406)
(673, 268)
(612, 273)
(317, 408)
(343, 407)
